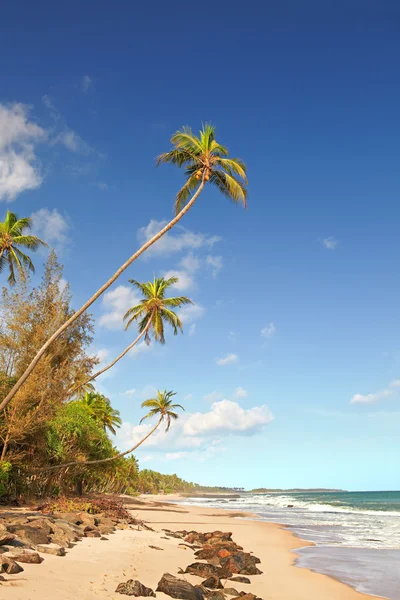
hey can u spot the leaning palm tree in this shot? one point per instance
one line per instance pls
(153, 312)
(161, 406)
(12, 238)
(204, 161)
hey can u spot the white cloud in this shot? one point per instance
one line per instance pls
(191, 312)
(116, 303)
(330, 242)
(86, 83)
(392, 388)
(227, 416)
(140, 349)
(19, 136)
(49, 103)
(185, 281)
(101, 185)
(102, 354)
(176, 455)
(72, 141)
(213, 397)
(130, 392)
(62, 284)
(192, 329)
(240, 393)
(177, 240)
(216, 262)
(268, 331)
(190, 263)
(229, 359)
(51, 226)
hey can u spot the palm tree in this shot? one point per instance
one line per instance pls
(100, 408)
(152, 313)
(12, 238)
(160, 406)
(205, 161)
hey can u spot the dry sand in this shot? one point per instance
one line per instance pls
(94, 568)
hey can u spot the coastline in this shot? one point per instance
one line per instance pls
(94, 568)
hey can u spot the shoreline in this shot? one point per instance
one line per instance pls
(94, 568)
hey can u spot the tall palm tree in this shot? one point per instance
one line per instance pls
(161, 406)
(100, 408)
(12, 238)
(151, 314)
(205, 161)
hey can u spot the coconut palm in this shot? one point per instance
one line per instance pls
(205, 161)
(12, 238)
(101, 410)
(161, 406)
(152, 313)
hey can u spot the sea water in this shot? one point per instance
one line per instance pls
(356, 534)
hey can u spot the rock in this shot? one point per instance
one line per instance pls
(25, 556)
(218, 536)
(8, 565)
(134, 588)
(194, 536)
(156, 548)
(86, 519)
(290, 506)
(54, 549)
(29, 534)
(178, 588)
(241, 579)
(216, 595)
(202, 569)
(242, 563)
(104, 539)
(92, 533)
(213, 582)
(247, 597)
(5, 536)
(231, 592)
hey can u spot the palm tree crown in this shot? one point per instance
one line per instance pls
(11, 237)
(101, 410)
(154, 310)
(163, 407)
(205, 159)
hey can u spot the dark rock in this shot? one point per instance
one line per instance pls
(30, 534)
(195, 537)
(8, 565)
(241, 579)
(178, 588)
(216, 595)
(134, 588)
(218, 536)
(247, 597)
(213, 582)
(231, 592)
(25, 556)
(104, 539)
(202, 569)
(156, 548)
(5, 536)
(242, 563)
(290, 505)
(92, 532)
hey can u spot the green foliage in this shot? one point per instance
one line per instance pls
(162, 406)
(5, 468)
(11, 239)
(100, 409)
(203, 158)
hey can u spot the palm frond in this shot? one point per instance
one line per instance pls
(185, 192)
(233, 166)
(230, 187)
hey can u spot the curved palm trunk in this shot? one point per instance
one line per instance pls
(135, 341)
(104, 460)
(99, 292)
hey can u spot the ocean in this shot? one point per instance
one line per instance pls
(356, 534)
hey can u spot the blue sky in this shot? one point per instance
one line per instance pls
(289, 364)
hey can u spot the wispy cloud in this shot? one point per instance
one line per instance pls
(19, 137)
(172, 242)
(241, 393)
(213, 397)
(72, 141)
(185, 280)
(52, 227)
(86, 83)
(269, 330)
(191, 312)
(393, 388)
(116, 303)
(216, 262)
(330, 243)
(229, 359)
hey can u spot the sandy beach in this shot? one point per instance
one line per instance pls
(94, 568)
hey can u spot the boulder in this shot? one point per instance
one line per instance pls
(25, 556)
(8, 565)
(218, 536)
(134, 588)
(92, 532)
(213, 582)
(240, 579)
(195, 537)
(30, 534)
(178, 588)
(203, 569)
(216, 595)
(231, 592)
(5, 536)
(242, 563)
(54, 549)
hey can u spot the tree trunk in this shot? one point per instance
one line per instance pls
(84, 463)
(99, 292)
(115, 360)
(79, 486)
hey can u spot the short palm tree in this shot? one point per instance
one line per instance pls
(152, 313)
(12, 238)
(205, 161)
(161, 406)
(101, 410)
